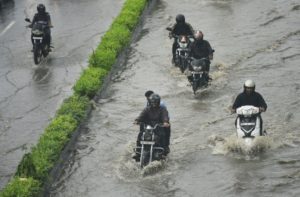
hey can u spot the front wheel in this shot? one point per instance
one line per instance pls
(195, 87)
(46, 50)
(144, 159)
(37, 55)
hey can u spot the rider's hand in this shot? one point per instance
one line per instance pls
(170, 35)
(166, 124)
(261, 109)
(135, 122)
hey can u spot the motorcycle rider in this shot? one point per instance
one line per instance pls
(180, 28)
(153, 113)
(201, 49)
(148, 94)
(250, 97)
(44, 16)
(167, 129)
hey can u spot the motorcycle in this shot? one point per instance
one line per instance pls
(40, 47)
(150, 149)
(197, 73)
(248, 123)
(183, 51)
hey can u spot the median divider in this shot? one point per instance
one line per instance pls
(35, 167)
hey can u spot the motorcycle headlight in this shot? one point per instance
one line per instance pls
(197, 68)
(37, 32)
(147, 137)
(183, 45)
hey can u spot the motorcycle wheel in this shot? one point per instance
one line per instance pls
(37, 55)
(181, 65)
(144, 159)
(195, 87)
(181, 68)
(46, 50)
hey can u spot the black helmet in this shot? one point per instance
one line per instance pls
(148, 93)
(41, 8)
(180, 18)
(154, 100)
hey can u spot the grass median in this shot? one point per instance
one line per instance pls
(35, 167)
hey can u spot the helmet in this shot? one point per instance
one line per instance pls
(41, 8)
(180, 18)
(154, 100)
(148, 93)
(198, 35)
(249, 86)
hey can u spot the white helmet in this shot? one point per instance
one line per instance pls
(249, 84)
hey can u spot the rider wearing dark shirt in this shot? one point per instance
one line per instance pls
(201, 49)
(43, 16)
(154, 113)
(250, 97)
(180, 28)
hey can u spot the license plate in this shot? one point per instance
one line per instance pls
(147, 143)
(194, 72)
(37, 38)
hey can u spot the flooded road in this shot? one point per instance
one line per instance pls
(253, 39)
(31, 94)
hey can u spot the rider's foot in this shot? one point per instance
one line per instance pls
(265, 133)
(167, 151)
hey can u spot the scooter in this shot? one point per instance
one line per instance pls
(248, 123)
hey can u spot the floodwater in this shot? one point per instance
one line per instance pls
(30, 94)
(252, 39)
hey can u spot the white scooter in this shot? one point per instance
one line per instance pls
(248, 123)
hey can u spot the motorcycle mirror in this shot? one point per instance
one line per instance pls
(169, 28)
(27, 20)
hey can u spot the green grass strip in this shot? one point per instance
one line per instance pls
(35, 167)
(21, 187)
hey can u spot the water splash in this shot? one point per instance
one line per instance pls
(153, 168)
(130, 171)
(232, 144)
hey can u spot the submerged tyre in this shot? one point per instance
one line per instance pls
(144, 159)
(195, 87)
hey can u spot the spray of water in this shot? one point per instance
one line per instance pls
(232, 144)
